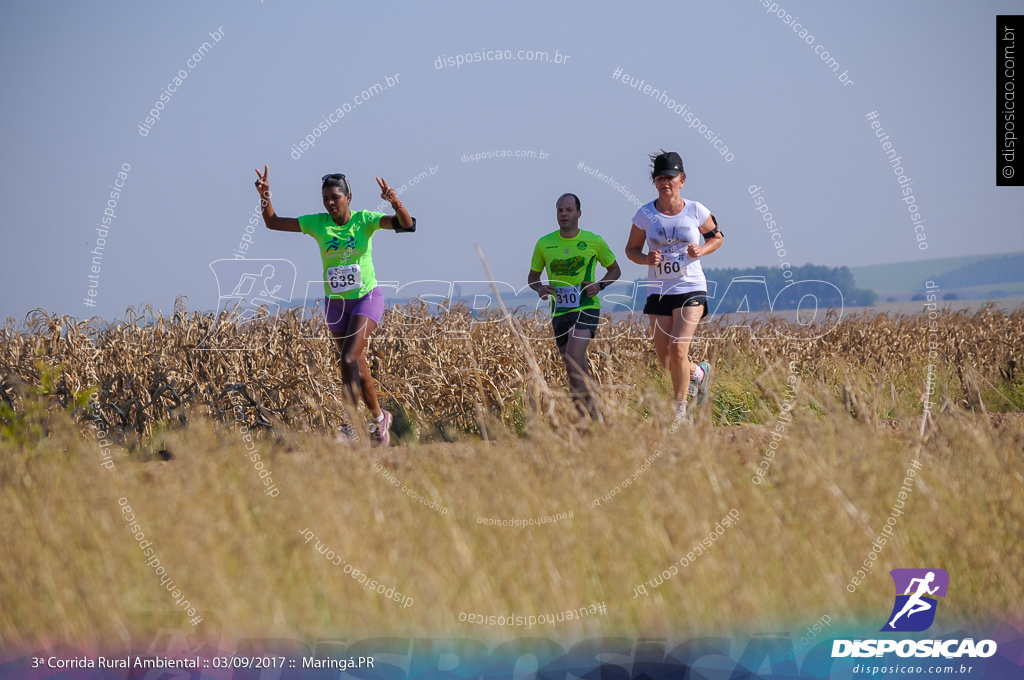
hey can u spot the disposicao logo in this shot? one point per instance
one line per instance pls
(913, 611)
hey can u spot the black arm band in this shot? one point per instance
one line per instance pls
(714, 232)
(399, 229)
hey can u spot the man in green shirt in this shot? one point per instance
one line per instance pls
(571, 256)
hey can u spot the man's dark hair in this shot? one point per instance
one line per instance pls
(574, 197)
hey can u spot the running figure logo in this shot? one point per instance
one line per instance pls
(247, 280)
(245, 288)
(914, 610)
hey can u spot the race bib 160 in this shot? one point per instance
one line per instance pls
(674, 265)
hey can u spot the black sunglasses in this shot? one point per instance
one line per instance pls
(333, 175)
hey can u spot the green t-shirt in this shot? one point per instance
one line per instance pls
(570, 262)
(346, 252)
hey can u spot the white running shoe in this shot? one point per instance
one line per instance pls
(380, 433)
(702, 387)
(693, 389)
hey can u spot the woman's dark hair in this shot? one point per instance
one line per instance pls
(337, 180)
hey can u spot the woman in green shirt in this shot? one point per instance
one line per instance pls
(353, 303)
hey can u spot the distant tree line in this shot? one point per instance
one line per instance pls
(751, 289)
(1006, 269)
(786, 292)
(757, 289)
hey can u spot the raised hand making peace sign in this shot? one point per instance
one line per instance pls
(386, 192)
(263, 183)
(401, 221)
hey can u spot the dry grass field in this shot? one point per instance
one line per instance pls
(488, 432)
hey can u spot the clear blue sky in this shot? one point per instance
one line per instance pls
(80, 77)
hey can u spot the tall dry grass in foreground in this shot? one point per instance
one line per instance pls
(71, 570)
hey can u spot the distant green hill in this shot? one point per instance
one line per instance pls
(902, 279)
(1006, 269)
